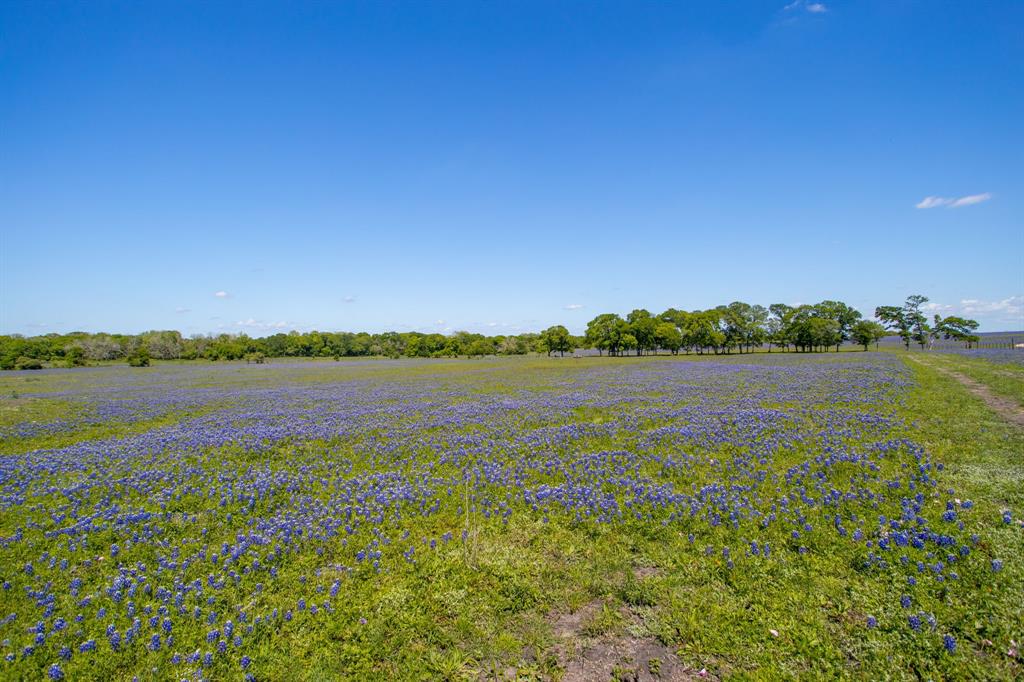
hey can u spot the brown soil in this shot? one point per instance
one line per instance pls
(620, 656)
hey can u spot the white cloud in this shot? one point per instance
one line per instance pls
(1007, 313)
(179, 309)
(812, 7)
(972, 199)
(574, 306)
(349, 299)
(969, 200)
(932, 202)
(221, 294)
(1012, 307)
(260, 324)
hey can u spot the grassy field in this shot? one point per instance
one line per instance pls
(764, 516)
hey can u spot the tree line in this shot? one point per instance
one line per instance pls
(734, 328)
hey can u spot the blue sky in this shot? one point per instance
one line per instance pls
(500, 167)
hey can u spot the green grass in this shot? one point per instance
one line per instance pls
(473, 610)
(1003, 379)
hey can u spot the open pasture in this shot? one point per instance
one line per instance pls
(833, 515)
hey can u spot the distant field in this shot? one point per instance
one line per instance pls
(764, 515)
(989, 340)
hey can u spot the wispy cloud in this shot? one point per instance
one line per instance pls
(261, 325)
(940, 308)
(574, 306)
(1012, 307)
(969, 200)
(221, 294)
(182, 310)
(349, 299)
(1006, 312)
(812, 7)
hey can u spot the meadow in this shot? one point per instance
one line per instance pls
(761, 516)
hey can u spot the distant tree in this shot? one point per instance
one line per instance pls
(629, 342)
(777, 327)
(556, 339)
(101, 347)
(605, 332)
(953, 327)
(866, 332)
(667, 336)
(642, 326)
(27, 363)
(479, 347)
(842, 314)
(916, 319)
(894, 318)
(824, 332)
(163, 345)
(74, 356)
(743, 324)
(701, 331)
(140, 358)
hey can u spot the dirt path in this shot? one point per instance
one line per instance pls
(1005, 407)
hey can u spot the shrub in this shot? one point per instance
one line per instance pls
(28, 364)
(139, 359)
(74, 356)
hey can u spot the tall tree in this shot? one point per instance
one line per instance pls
(556, 339)
(895, 319)
(605, 332)
(953, 327)
(916, 318)
(866, 332)
(842, 314)
(642, 326)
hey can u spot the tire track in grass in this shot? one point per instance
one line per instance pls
(1004, 407)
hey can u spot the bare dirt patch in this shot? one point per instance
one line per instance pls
(1006, 408)
(641, 572)
(618, 654)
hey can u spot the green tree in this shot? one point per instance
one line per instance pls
(605, 332)
(894, 318)
(866, 332)
(916, 319)
(642, 326)
(842, 314)
(140, 358)
(556, 339)
(667, 336)
(958, 328)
